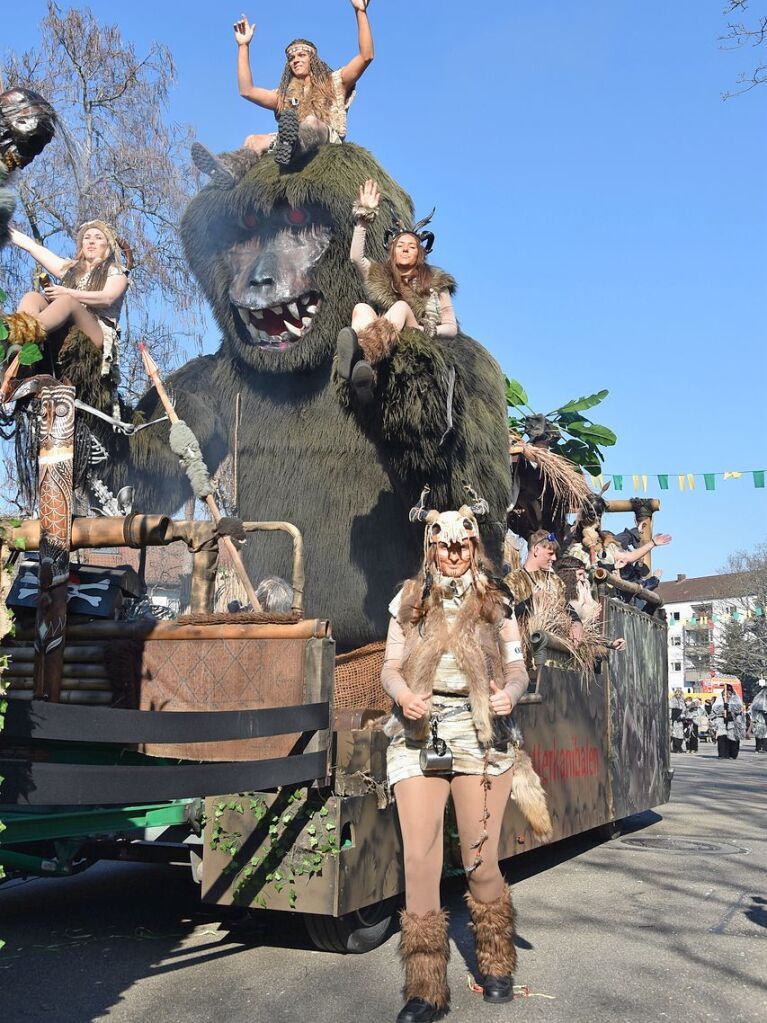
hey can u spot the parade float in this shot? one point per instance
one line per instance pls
(249, 743)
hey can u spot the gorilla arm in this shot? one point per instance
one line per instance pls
(161, 485)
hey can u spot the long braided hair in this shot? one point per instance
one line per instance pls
(315, 94)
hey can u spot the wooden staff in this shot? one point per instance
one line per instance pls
(154, 375)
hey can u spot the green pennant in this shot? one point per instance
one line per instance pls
(618, 482)
(758, 475)
(663, 481)
(709, 479)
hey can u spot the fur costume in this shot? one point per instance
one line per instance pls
(308, 452)
(493, 927)
(425, 949)
(473, 642)
(378, 339)
(382, 295)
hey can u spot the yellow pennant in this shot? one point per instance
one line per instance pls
(691, 481)
(636, 481)
(733, 475)
(644, 482)
(681, 481)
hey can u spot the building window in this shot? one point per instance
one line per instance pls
(676, 666)
(676, 640)
(675, 615)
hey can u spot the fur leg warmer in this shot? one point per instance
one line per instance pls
(23, 328)
(529, 795)
(378, 339)
(493, 927)
(424, 949)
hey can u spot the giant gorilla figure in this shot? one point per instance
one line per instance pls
(272, 256)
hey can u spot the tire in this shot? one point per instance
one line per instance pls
(355, 933)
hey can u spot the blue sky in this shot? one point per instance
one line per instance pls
(600, 205)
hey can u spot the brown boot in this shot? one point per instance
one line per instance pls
(377, 339)
(23, 328)
(424, 949)
(493, 926)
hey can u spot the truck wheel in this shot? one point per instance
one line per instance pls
(357, 932)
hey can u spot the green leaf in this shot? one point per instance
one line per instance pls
(594, 432)
(516, 395)
(3, 296)
(581, 404)
(3, 330)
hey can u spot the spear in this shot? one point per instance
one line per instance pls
(154, 375)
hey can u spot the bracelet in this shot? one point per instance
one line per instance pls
(364, 213)
(653, 543)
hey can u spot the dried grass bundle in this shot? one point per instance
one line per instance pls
(567, 483)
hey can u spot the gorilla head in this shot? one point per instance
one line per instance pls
(272, 255)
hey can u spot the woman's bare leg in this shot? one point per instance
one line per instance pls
(33, 303)
(65, 310)
(485, 881)
(401, 315)
(258, 143)
(362, 316)
(421, 810)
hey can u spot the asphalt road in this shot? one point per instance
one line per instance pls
(667, 922)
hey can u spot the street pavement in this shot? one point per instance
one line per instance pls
(666, 922)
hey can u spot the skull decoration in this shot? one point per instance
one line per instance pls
(27, 125)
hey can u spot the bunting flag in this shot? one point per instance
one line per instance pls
(686, 480)
(730, 616)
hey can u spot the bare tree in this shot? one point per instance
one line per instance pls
(115, 157)
(740, 34)
(744, 641)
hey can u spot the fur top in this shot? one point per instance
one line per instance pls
(473, 639)
(383, 296)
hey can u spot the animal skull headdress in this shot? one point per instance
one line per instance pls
(27, 124)
(449, 527)
(398, 227)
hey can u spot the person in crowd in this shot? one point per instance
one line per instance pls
(702, 721)
(310, 103)
(405, 290)
(729, 723)
(92, 289)
(275, 594)
(677, 708)
(455, 671)
(759, 716)
(690, 719)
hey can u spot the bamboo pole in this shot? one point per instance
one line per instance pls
(650, 596)
(154, 375)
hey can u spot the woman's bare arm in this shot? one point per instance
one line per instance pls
(114, 288)
(353, 71)
(53, 264)
(267, 98)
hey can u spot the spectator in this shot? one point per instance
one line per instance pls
(729, 723)
(275, 594)
(759, 717)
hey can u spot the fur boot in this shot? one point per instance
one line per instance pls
(23, 328)
(378, 339)
(493, 927)
(425, 950)
(529, 795)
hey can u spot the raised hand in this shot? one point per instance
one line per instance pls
(360, 5)
(243, 31)
(661, 539)
(369, 196)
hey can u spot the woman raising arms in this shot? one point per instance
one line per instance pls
(405, 290)
(92, 288)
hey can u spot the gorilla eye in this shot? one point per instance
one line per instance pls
(296, 217)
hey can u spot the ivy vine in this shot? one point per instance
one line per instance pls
(299, 837)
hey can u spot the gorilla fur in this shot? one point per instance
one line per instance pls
(307, 452)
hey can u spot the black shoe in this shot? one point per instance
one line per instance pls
(287, 137)
(498, 989)
(349, 352)
(362, 380)
(209, 164)
(418, 1011)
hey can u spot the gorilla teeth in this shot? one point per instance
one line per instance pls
(311, 309)
(296, 331)
(293, 310)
